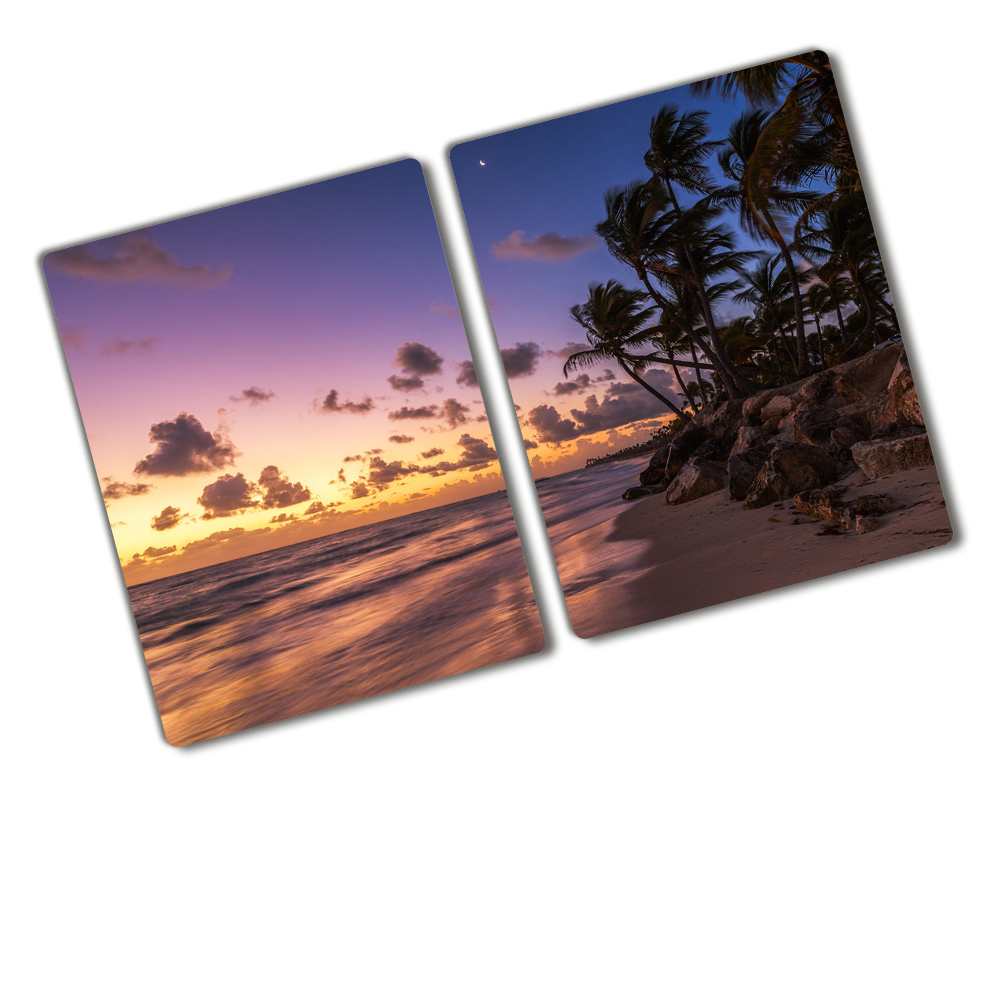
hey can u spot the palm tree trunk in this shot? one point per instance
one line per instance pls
(819, 344)
(663, 399)
(802, 365)
(854, 347)
(744, 384)
(681, 382)
(723, 371)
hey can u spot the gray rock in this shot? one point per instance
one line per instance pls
(637, 492)
(900, 449)
(868, 375)
(697, 479)
(777, 406)
(789, 469)
(860, 514)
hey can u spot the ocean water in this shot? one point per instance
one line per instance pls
(579, 509)
(338, 618)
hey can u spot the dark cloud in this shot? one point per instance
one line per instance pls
(279, 491)
(413, 413)
(151, 553)
(467, 375)
(253, 395)
(550, 427)
(169, 517)
(622, 403)
(382, 473)
(375, 451)
(137, 259)
(285, 518)
(330, 404)
(529, 445)
(550, 247)
(218, 538)
(116, 490)
(184, 447)
(401, 438)
(352, 458)
(454, 412)
(521, 359)
(418, 359)
(405, 383)
(476, 454)
(118, 346)
(433, 453)
(577, 385)
(315, 508)
(341, 477)
(571, 348)
(228, 495)
(358, 490)
(72, 336)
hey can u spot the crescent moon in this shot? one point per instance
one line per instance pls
(482, 163)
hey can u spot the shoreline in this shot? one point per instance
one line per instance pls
(710, 550)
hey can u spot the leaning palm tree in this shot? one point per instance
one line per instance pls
(643, 232)
(764, 205)
(616, 323)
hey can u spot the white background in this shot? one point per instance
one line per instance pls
(792, 796)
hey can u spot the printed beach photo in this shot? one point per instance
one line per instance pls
(697, 329)
(294, 455)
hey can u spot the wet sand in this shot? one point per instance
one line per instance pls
(658, 561)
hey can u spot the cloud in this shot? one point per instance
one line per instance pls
(138, 259)
(382, 473)
(550, 247)
(401, 438)
(571, 348)
(151, 553)
(226, 537)
(433, 453)
(352, 458)
(358, 490)
(254, 395)
(413, 413)
(116, 490)
(529, 444)
(476, 454)
(278, 491)
(444, 307)
(405, 383)
(169, 517)
(622, 403)
(184, 447)
(72, 336)
(467, 375)
(118, 346)
(522, 359)
(418, 359)
(341, 478)
(284, 518)
(453, 412)
(579, 384)
(550, 426)
(330, 404)
(227, 496)
(315, 508)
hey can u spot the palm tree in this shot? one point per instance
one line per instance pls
(642, 232)
(616, 324)
(763, 203)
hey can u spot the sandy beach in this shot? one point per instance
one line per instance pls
(663, 560)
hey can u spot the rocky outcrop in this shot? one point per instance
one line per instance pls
(898, 449)
(750, 452)
(789, 469)
(790, 439)
(860, 514)
(638, 492)
(697, 479)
